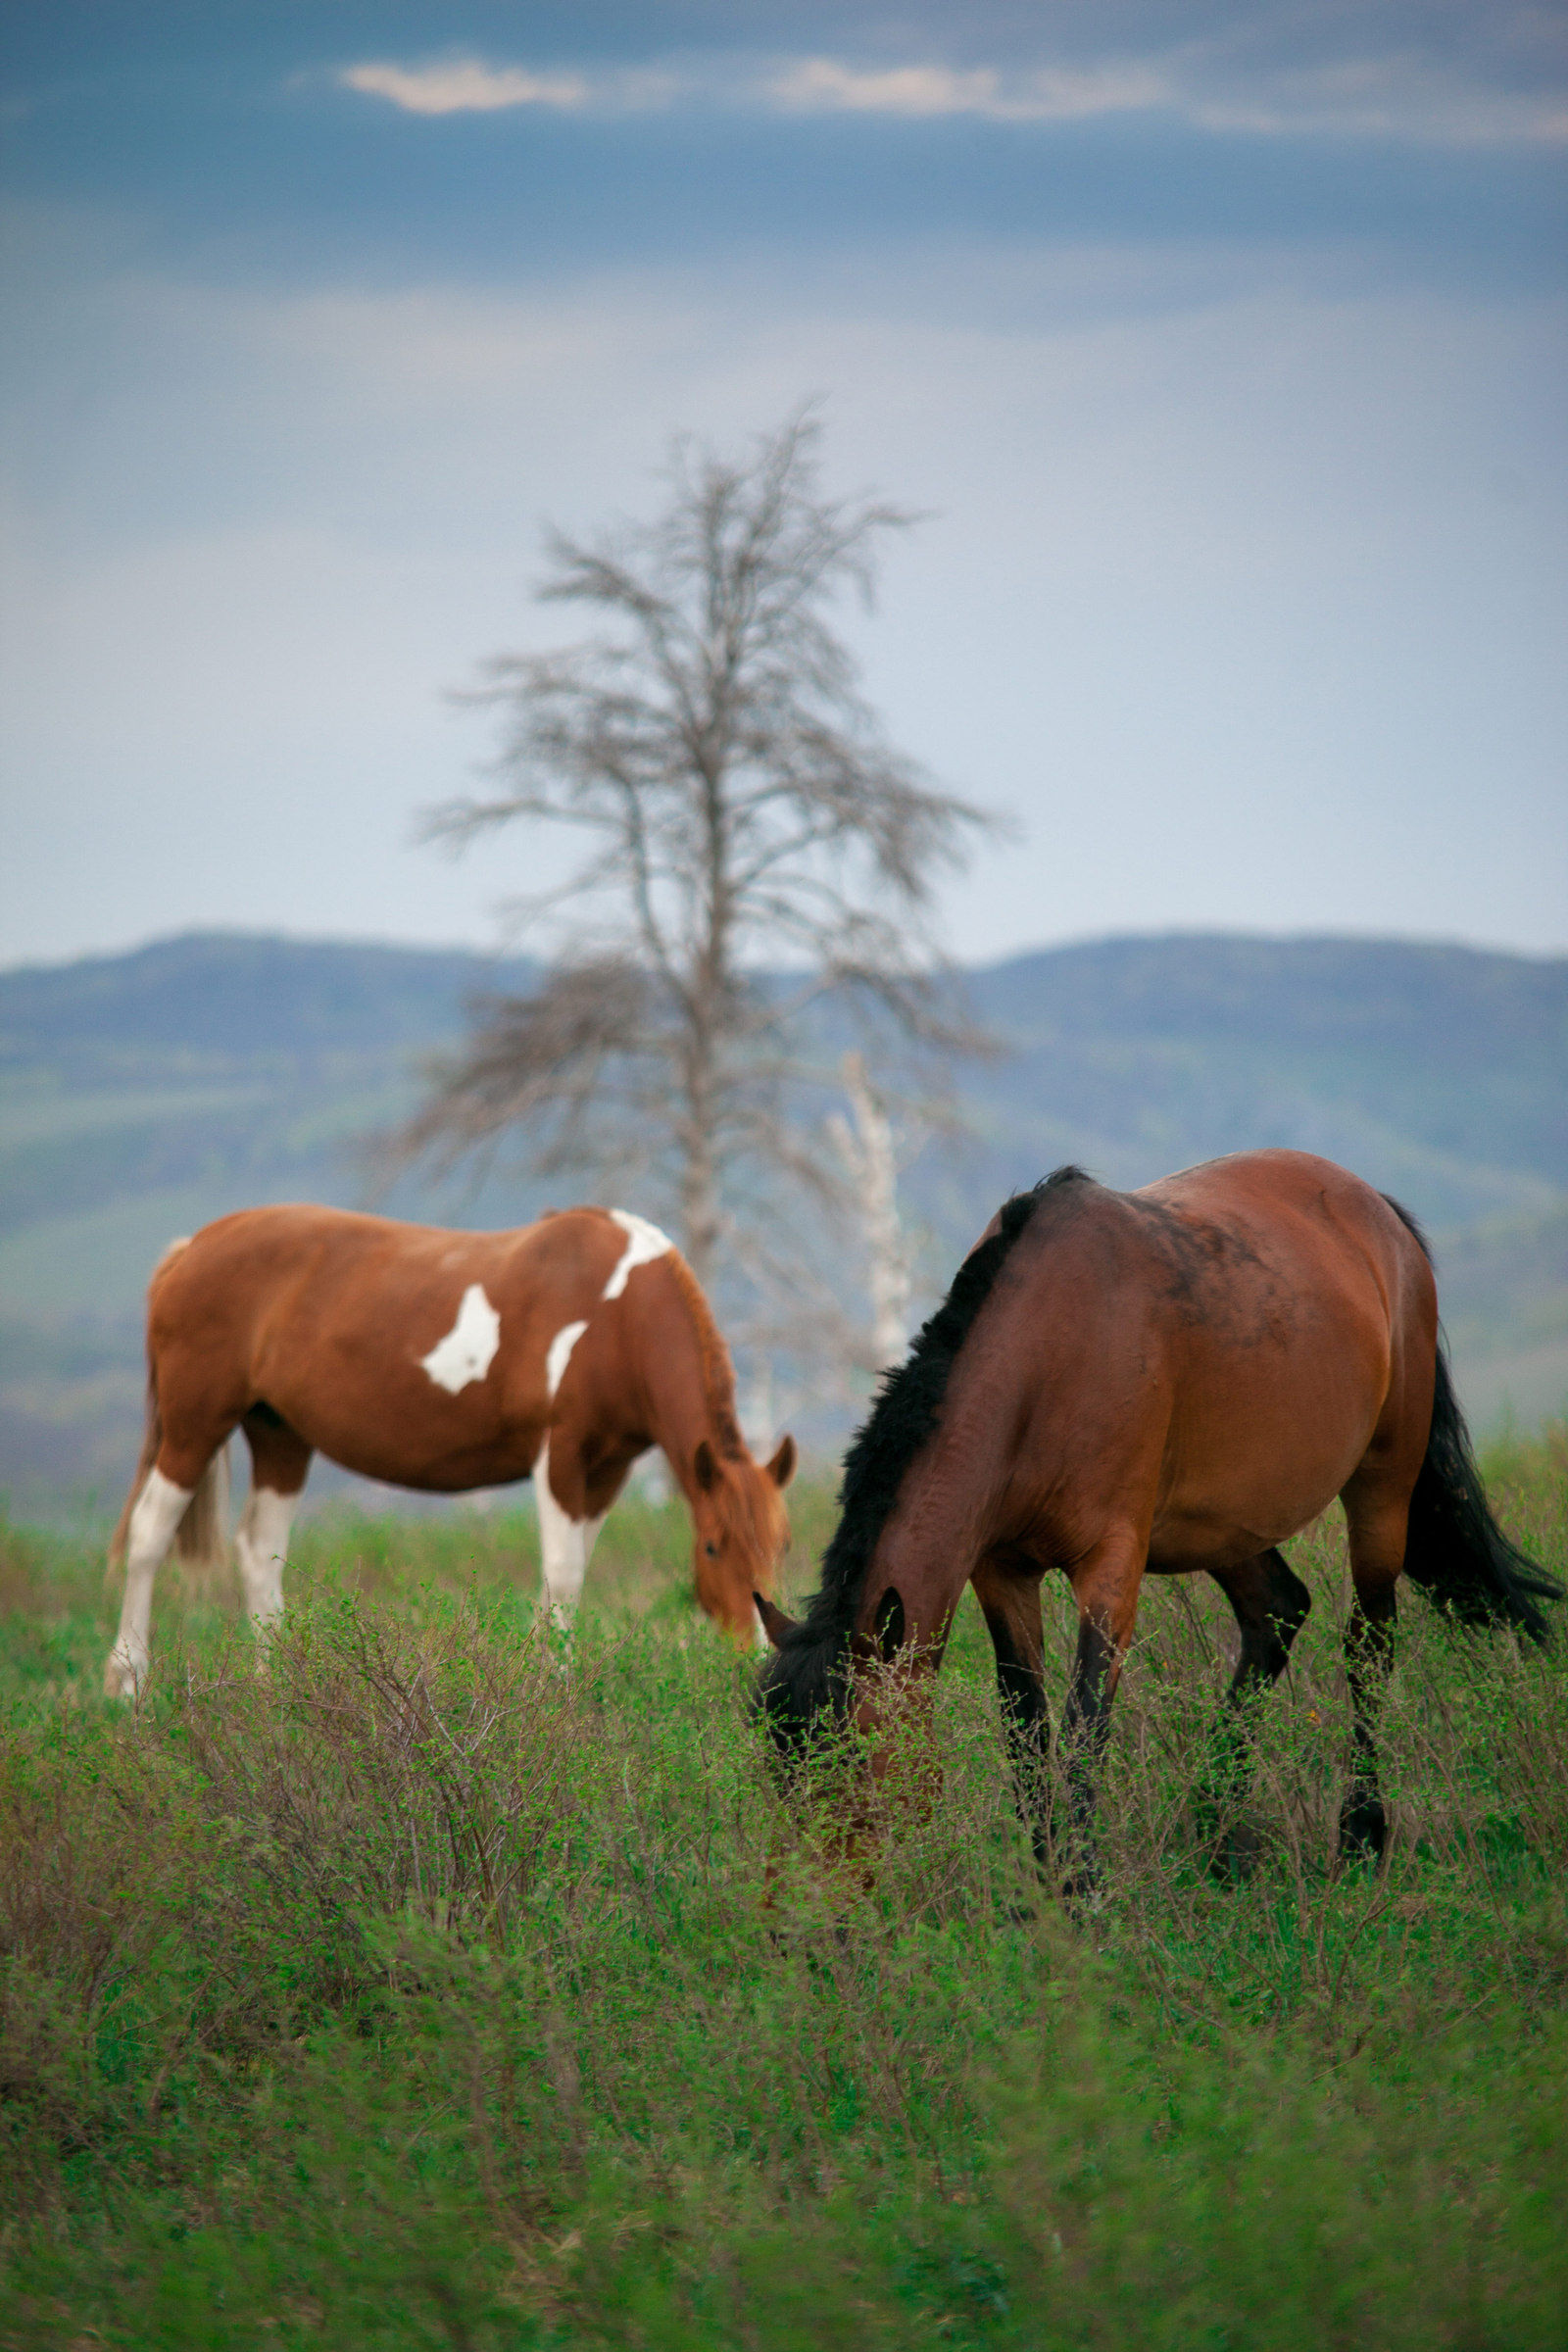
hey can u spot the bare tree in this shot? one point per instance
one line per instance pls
(744, 817)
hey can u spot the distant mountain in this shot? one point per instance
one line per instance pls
(141, 1094)
(1440, 1073)
(226, 1001)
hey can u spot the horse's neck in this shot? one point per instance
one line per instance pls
(680, 1405)
(941, 1523)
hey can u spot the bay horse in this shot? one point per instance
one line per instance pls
(442, 1362)
(1155, 1382)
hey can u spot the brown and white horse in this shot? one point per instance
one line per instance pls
(442, 1362)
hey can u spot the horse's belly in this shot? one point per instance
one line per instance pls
(456, 1470)
(433, 1447)
(1256, 1454)
(1219, 1531)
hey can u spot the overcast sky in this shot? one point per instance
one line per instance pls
(1224, 346)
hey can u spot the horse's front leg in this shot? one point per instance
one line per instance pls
(1105, 1586)
(568, 1526)
(1009, 1601)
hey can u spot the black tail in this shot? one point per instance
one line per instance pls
(1456, 1550)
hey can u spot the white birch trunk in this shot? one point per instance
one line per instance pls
(867, 1150)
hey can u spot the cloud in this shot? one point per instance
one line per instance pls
(464, 86)
(822, 85)
(1393, 96)
(1212, 85)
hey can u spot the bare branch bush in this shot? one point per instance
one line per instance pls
(756, 878)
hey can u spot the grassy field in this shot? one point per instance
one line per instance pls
(423, 1995)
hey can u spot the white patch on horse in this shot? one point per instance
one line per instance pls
(469, 1347)
(558, 1355)
(644, 1242)
(565, 1545)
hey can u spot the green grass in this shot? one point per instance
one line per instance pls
(422, 1993)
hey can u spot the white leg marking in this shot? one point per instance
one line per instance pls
(760, 1639)
(644, 1242)
(469, 1347)
(558, 1355)
(160, 1507)
(565, 1546)
(261, 1546)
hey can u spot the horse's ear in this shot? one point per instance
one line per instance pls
(704, 1468)
(781, 1469)
(775, 1625)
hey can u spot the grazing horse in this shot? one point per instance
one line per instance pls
(442, 1362)
(1121, 1384)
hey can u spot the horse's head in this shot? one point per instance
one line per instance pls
(822, 1678)
(742, 1528)
(848, 1715)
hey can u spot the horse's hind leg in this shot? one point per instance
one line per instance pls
(280, 1462)
(1010, 1601)
(157, 1513)
(183, 1463)
(1377, 1519)
(1271, 1605)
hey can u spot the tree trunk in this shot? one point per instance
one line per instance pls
(868, 1150)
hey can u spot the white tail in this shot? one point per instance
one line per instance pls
(201, 1536)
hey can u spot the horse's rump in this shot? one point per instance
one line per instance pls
(1297, 1327)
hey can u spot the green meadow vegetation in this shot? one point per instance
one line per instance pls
(421, 1992)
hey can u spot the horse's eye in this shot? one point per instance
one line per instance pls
(712, 1551)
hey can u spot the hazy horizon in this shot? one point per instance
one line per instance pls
(503, 953)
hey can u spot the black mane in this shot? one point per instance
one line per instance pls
(806, 1674)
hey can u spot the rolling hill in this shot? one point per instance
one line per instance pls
(143, 1093)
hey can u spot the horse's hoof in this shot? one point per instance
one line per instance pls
(1363, 1829)
(1083, 1889)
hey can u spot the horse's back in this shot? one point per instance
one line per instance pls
(254, 1243)
(336, 1254)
